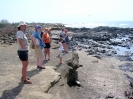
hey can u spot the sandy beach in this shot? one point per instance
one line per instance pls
(101, 78)
(98, 63)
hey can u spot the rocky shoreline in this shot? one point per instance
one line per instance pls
(102, 75)
(98, 43)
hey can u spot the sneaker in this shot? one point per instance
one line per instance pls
(45, 59)
(42, 67)
(48, 59)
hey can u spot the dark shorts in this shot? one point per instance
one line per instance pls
(63, 41)
(67, 42)
(23, 55)
(47, 45)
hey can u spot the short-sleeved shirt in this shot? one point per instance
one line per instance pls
(24, 39)
(61, 34)
(46, 38)
(66, 37)
(37, 41)
(60, 47)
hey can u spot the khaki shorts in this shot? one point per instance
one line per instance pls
(39, 52)
(61, 54)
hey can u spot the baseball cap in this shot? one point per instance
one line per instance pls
(38, 27)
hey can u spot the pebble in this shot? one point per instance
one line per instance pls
(127, 93)
(110, 95)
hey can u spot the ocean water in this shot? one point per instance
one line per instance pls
(121, 24)
(123, 50)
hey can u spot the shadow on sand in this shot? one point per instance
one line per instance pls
(11, 94)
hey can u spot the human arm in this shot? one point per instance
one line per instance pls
(21, 43)
(34, 40)
(68, 34)
(63, 35)
(59, 44)
(20, 37)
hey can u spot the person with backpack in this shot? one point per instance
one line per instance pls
(39, 46)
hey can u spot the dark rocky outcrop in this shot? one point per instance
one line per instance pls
(99, 41)
(72, 76)
(8, 38)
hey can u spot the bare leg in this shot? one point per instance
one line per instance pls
(48, 51)
(64, 46)
(40, 61)
(61, 62)
(37, 61)
(24, 69)
(45, 53)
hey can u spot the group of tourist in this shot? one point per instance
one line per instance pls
(42, 43)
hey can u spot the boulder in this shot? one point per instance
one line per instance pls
(72, 76)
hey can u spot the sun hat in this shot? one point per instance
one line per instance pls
(21, 23)
(38, 27)
(65, 30)
(46, 29)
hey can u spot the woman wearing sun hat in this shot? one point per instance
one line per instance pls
(23, 50)
(39, 46)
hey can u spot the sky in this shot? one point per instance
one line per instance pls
(66, 11)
